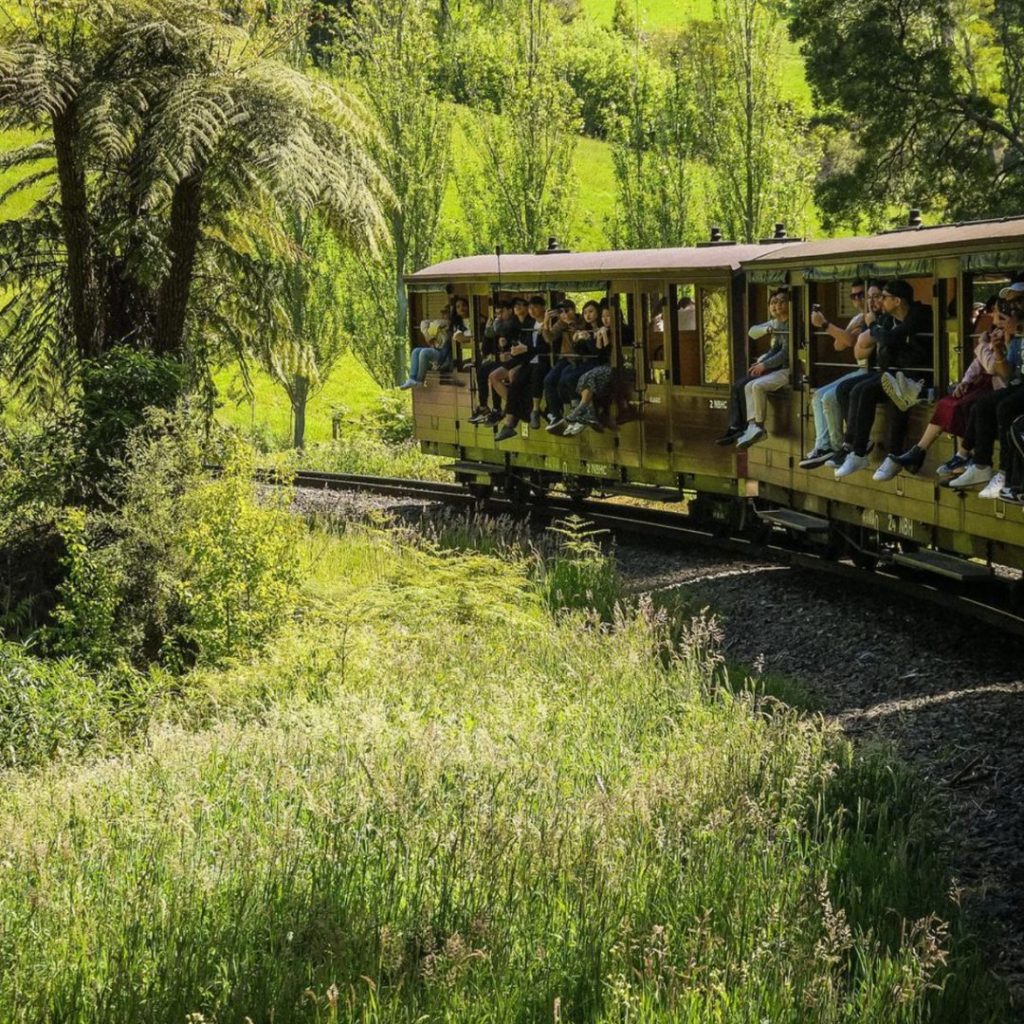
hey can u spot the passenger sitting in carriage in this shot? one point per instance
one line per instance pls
(436, 352)
(748, 403)
(993, 413)
(513, 350)
(596, 384)
(487, 362)
(900, 338)
(828, 418)
(952, 410)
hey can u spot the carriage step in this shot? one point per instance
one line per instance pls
(950, 566)
(798, 522)
(477, 469)
(666, 495)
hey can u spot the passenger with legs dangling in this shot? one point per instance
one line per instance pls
(953, 410)
(992, 414)
(828, 420)
(748, 403)
(901, 338)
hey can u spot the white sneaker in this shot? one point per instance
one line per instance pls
(901, 390)
(750, 435)
(993, 487)
(887, 470)
(408, 383)
(973, 476)
(853, 463)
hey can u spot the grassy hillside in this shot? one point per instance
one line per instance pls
(350, 391)
(654, 15)
(17, 204)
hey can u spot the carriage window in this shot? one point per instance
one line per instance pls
(656, 327)
(684, 335)
(713, 323)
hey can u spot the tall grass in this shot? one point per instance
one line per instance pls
(436, 802)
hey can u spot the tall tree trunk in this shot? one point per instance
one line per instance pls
(172, 299)
(299, 392)
(401, 302)
(74, 215)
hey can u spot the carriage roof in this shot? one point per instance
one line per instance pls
(921, 242)
(602, 264)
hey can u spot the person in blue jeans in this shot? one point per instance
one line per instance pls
(436, 352)
(828, 416)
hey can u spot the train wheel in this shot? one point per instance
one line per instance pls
(866, 560)
(517, 490)
(481, 495)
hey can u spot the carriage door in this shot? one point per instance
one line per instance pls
(628, 359)
(659, 332)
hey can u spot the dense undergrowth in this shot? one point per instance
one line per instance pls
(442, 790)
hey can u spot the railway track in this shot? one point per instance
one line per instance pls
(987, 600)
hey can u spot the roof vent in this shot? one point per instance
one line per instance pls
(914, 218)
(780, 235)
(553, 247)
(715, 239)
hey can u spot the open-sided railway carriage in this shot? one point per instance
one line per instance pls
(661, 443)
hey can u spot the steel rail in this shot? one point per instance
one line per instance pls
(666, 525)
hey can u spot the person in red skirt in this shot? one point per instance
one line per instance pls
(951, 411)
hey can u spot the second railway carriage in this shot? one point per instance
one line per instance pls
(677, 374)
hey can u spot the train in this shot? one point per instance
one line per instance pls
(677, 377)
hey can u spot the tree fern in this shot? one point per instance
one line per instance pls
(169, 125)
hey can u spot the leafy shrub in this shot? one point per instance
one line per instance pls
(391, 418)
(117, 389)
(187, 567)
(56, 707)
(360, 452)
(40, 468)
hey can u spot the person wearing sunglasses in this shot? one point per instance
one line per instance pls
(828, 419)
(901, 338)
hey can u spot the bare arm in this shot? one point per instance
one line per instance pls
(864, 345)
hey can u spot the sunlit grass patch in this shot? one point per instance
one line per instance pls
(435, 801)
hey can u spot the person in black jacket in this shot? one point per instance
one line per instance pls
(902, 338)
(487, 361)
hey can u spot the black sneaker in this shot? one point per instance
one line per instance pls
(729, 437)
(838, 458)
(505, 434)
(535, 420)
(494, 417)
(912, 459)
(557, 428)
(817, 457)
(480, 416)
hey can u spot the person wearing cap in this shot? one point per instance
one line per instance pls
(900, 338)
(991, 415)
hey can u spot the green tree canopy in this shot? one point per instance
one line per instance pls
(928, 100)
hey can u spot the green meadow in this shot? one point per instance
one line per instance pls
(443, 794)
